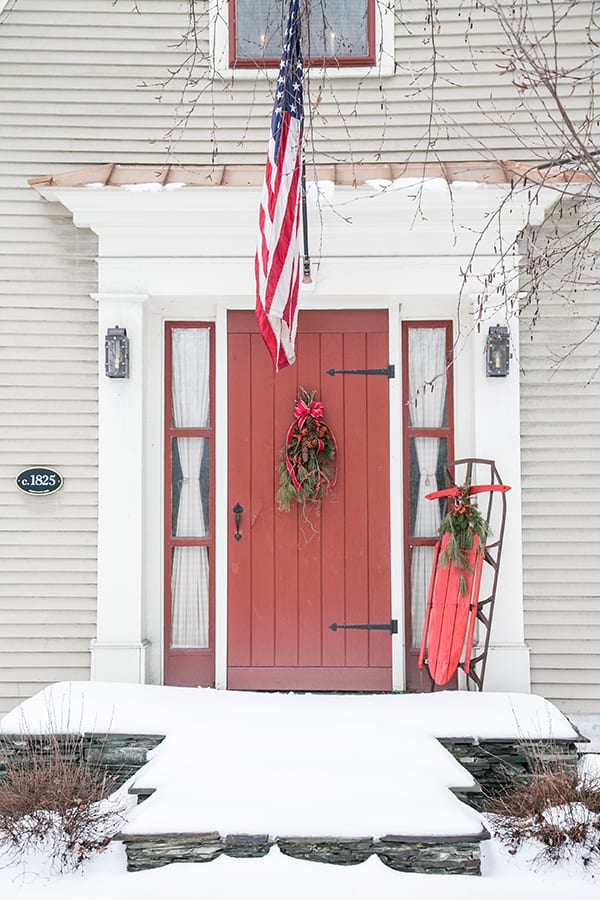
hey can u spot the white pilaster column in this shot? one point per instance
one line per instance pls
(118, 651)
(498, 436)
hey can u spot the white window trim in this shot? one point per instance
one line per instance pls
(384, 47)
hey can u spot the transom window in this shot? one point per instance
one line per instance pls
(335, 32)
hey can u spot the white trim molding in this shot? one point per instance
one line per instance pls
(118, 652)
(188, 254)
(219, 49)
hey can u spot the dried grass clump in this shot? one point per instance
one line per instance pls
(54, 801)
(555, 807)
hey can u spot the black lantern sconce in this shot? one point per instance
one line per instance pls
(116, 353)
(497, 352)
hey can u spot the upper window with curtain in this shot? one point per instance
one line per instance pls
(334, 32)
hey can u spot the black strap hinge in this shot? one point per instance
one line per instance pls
(388, 371)
(391, 626)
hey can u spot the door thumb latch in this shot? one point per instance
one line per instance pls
(237, 510)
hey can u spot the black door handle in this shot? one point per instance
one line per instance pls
(237, 510)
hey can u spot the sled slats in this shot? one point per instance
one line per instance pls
(451, 614)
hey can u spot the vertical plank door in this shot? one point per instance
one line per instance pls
(292, 574)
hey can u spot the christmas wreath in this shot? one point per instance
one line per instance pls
(308, 465)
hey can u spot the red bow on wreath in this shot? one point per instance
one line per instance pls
(303, 411)
(307, 469)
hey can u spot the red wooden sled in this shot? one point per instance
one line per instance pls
(451, 613)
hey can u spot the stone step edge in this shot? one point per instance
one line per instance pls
(207, 836)
(450, 855)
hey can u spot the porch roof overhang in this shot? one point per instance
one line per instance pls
(187, 222)
(498, 172)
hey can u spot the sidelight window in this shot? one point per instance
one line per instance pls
(428, 446)
(189, 453)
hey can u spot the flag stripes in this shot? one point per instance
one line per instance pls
(277, 261)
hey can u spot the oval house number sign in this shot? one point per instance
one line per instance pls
(39, 480)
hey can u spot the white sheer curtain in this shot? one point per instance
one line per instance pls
(427, 393)
(336, 27)
(190, 567)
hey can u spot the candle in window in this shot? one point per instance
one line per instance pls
(332, 43)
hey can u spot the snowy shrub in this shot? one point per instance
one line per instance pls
(54, 801)
(556, 808)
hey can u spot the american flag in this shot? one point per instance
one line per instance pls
(277, 264)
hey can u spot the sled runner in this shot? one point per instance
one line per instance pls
(453, 606)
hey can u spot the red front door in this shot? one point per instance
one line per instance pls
(292, 574)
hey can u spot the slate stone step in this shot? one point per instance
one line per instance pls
(117, 755)
(430, 855)
(496, 764)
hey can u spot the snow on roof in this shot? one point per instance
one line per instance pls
(341, 174)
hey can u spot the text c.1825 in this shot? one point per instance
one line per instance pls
(39, 480)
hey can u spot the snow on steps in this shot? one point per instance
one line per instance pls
(334, 778)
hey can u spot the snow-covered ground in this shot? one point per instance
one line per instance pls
(277, 877)
(295, 764)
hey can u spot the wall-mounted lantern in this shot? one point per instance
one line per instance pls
(497, 352)
(116, 353)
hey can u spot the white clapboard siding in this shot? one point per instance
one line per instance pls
(48, 409)
(60, 60)
(560, 416)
